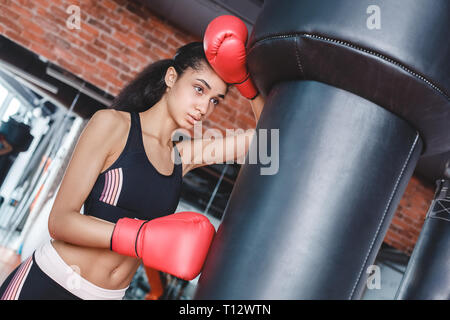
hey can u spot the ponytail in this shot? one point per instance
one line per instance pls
(145, 90)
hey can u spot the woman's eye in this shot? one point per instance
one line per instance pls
(201, 89)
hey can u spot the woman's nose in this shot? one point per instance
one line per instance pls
(203, 108)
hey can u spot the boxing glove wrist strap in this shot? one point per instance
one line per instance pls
(125, 235)
(257, 94)
(111, 240)
(137, 239)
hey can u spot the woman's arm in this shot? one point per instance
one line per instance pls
(66, 223)
(229, 148)
(241, 142)
(257, 106)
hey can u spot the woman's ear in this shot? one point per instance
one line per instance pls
(171, 76)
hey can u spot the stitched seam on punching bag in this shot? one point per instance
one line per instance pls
(297, 55)
(384, 214)
(350, 45)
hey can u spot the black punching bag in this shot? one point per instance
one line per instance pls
(354, 107)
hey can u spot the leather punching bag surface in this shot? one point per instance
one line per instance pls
(355, 105)
(311, 230)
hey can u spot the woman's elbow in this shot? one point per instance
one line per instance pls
(55, 225)
(51, 226)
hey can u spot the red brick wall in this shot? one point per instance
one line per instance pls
(118, 38)
(410, 215)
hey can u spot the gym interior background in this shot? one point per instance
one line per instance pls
(54, 77)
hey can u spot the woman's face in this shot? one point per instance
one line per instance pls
(193, 96)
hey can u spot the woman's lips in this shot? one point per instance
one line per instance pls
(191, 119)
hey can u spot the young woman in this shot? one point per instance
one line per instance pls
(124, 165)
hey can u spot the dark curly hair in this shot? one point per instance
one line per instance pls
(149, 86)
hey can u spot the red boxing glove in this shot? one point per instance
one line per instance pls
(176, 244)
(224, 44)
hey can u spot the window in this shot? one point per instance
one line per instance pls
(3, 94)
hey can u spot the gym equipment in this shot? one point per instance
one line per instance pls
(224, 44)
(17, 134)
(175, 244)
(427, 276)
(154, 280)
(358, 94)
(31, 183)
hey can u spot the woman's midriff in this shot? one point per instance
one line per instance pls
(102, 267)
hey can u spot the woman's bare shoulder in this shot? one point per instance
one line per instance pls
(111, 122)
(105, 129)
(108, 117)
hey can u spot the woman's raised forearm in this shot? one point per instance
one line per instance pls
(257, 106)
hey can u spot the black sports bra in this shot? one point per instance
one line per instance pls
(132, 187)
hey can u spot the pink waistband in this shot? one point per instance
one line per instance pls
(48, 259)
